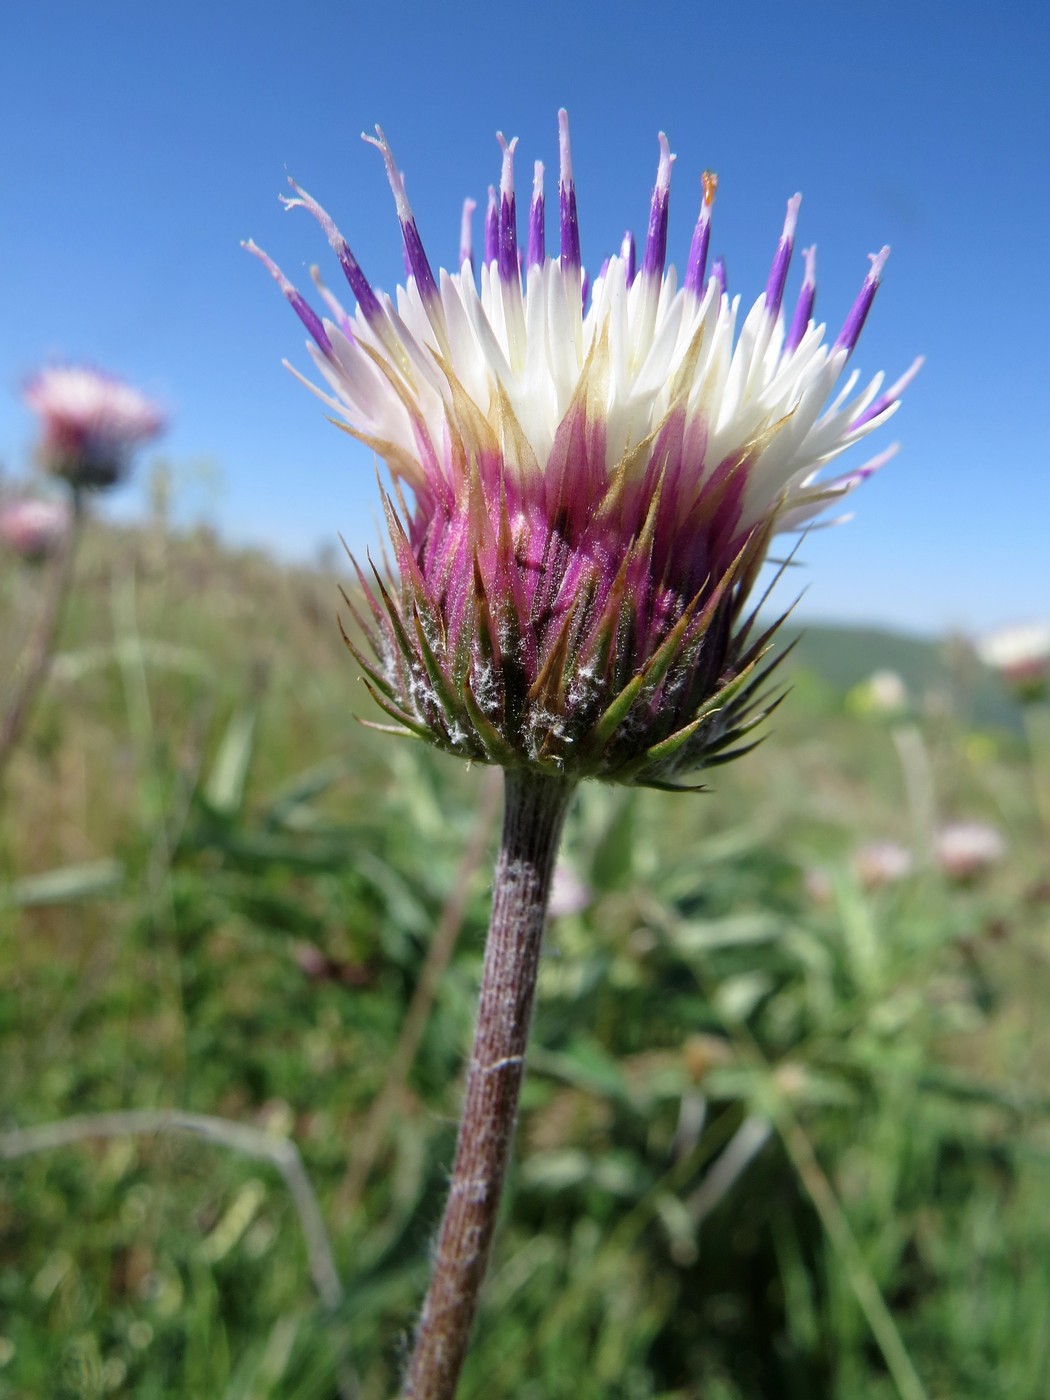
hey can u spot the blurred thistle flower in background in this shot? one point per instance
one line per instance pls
(34, 529)
(877, 864)
(874, 865)
(883, 693)
(965, 850)
(1021, 655)
(90, 424)
(596, 472)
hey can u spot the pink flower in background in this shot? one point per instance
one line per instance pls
(1021, 655)
(964, 850)
(596, 470)
(877, 864)
(32, 529)
(90, 423)
(570, 892)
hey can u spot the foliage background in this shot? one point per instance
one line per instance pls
(768, 1108)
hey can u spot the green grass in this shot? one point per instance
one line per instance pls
(217, 891)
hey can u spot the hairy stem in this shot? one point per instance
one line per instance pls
(41, 646)
(533, 814)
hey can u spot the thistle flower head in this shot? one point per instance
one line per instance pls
(90, 423)
(34, 529)
(965, 850)
(587, 476)
(1021, 656)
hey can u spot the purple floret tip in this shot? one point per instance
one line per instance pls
(300, 305)
(359, 283)
(393, 175)
(854, 323)
(491, 227)
(696, 270)
(656, 241)
(718, 272)
(416, 262)
(892, 394)
(333, 304)
(570, 227)
(537, 249)
(898, 387)
(466, 236)
(506, 183)
(782, 259)
(806, 297)
(508, 230)
(564, 148)
(629, 255)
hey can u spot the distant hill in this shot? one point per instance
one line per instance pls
(843, 657)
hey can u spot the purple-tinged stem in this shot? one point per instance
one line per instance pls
(41, 645)
(534, 811)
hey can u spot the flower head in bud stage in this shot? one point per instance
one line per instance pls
(90, 424)
(587, 477)
(34, 529)
(1021, 655)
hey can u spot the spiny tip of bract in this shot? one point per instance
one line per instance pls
(578, 699)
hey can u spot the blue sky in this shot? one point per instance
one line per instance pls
(141, 143)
